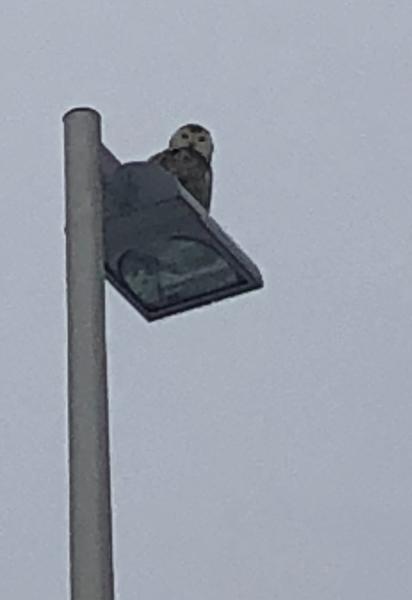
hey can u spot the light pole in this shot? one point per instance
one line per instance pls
(91, 562)
(164, 254)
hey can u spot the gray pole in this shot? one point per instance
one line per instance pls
(91, 563)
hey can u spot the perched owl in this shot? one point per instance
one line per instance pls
(189, 157)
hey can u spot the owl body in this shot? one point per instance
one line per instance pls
(188, 157)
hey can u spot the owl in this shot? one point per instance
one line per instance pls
(189, 157)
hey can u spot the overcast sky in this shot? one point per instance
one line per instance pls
(261, 446)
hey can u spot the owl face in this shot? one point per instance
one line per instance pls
(193, 136)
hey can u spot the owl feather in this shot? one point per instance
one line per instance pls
(188, 158)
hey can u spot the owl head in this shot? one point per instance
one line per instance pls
(193, 136)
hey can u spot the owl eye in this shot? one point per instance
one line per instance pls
(201, 138)
(185, 136)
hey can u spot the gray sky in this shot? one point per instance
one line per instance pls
(261, 446)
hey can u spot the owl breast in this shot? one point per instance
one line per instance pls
(191, 169)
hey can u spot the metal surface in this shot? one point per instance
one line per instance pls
(91, 570)
(163, 252)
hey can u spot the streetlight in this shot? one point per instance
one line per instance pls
(163, 252)
(136, 225)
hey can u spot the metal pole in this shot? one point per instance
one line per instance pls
(91, 562)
